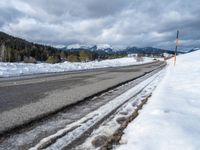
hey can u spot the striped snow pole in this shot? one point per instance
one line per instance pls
(175, 52)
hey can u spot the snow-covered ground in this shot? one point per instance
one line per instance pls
(17, 69)
(171, 118)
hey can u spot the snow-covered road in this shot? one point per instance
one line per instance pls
(171, 119)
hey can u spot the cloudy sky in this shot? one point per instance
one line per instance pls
(115, 22)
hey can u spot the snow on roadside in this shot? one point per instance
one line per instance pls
(17, 69)
(77, 128)
(171, 119)
(111, 125)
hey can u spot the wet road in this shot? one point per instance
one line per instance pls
(97, 109)
(24, 99)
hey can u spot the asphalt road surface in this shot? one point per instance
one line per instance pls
(31, 97)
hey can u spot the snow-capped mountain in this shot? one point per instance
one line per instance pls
(103, 46)
(78, 46)
(109, 49)
(97, 47)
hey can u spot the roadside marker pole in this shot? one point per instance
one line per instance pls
(175, 52)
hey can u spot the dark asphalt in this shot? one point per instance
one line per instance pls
(19, 92)
(28, 98)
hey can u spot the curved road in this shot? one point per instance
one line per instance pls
(27, 98)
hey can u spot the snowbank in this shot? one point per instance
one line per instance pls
(17, 69)
(171, 119)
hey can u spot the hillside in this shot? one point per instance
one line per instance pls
(13, 49)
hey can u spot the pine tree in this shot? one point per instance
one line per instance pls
(2, 52)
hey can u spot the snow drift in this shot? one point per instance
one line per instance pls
(17, 69)
(171, 118)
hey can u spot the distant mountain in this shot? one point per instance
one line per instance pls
(77, 46)
(192, 50)
(109, 49)
(147, 50)
(104, 47)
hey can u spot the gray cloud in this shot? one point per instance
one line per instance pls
(116, 22)
(9, 15)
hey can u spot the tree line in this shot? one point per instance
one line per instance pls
(35, 53)
(13, 49)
